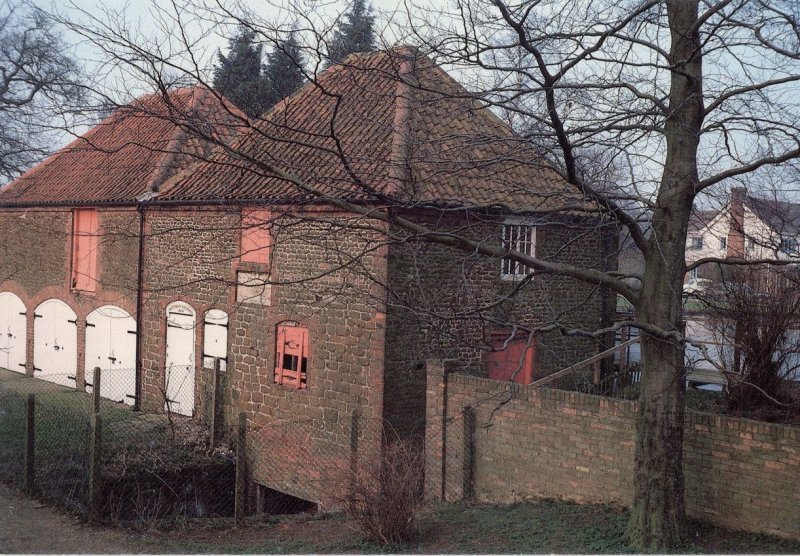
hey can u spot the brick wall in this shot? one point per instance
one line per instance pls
(548, 443)
(443, 303)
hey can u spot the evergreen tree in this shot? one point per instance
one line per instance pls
(354, 33)
(283, 72)
(238, 75)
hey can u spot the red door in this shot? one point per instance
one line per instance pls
(511, 360)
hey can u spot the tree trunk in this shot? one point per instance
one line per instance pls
(657, 519)
(658, 515)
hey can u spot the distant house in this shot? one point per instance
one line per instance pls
(130, 256)
(747, 227)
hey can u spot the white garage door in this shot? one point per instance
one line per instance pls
(13, 332)
(179, 374)
(111, 345)
(215, 339)
(55, 342)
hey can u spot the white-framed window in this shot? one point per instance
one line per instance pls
(521, 238)
(694, 273)
(723, 243)
(697, 242)
(751, 243)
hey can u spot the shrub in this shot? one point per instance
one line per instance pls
(386, 493)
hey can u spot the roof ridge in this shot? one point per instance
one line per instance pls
(162, 168)
(399, 170)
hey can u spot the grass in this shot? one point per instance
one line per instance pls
(131, 441)
(541, 527)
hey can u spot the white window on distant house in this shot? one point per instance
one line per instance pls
(697, 242)
(788, 245)
(520, 238)
(723, 243)
(694, 273)
(751, 243)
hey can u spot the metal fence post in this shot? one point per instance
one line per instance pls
(214, 396)
(95, 453)
(241, 463)
(96, 390)
(30, 441)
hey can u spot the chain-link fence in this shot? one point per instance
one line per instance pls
(93, 455)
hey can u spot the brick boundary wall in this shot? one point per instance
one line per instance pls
(519, 442)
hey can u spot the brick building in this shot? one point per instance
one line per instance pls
(306, 259)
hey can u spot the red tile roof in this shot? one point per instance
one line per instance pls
(130, 153)
(386, 124)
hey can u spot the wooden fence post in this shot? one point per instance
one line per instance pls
(96, 390)
(241, 476)
(95, 457)
(214, 397)
(30, 445)
(468, 491)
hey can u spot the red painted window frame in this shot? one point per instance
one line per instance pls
(84, 250)
(256, 240)
(292, 341)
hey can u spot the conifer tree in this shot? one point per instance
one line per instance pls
(354, 33)
(238, 75)
(283, 72)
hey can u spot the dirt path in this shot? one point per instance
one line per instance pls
(28, 526)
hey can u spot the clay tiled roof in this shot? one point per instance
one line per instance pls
(127, 155)
(383, 125)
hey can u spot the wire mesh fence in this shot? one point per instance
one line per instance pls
(91, 454)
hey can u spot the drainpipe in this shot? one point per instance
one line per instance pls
(139, 312)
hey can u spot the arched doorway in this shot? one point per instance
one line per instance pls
(179, 361)
(13, 332)
(111, 345)
(55, 342)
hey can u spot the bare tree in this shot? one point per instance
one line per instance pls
(681, 96)
(39, 86)
(755, 316)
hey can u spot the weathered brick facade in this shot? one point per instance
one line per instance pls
(550, 443)
(35, 265)
(444, 303)
(326, 274)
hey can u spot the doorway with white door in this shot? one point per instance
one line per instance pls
(180, 358)
(13, 332)
(111, 346)
(55, 342)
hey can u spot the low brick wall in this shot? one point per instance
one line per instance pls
(518, 442)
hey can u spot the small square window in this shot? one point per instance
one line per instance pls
(291, 356)
(697, 242)
(520, 238)
(694, 273)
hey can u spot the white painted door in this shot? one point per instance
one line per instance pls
(55, 342)
(215, 339)
(111, 345)
(13, 332)
(179, 375)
